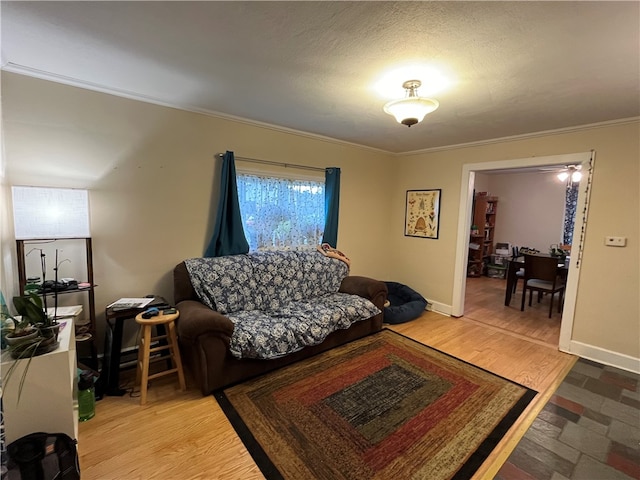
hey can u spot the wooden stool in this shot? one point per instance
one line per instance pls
(145, 350)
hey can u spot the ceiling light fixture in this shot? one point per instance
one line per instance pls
(411, 109)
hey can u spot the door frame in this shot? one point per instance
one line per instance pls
(585, 159)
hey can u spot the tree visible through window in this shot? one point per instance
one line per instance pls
(279, 212)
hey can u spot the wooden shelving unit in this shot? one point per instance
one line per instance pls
(22, 280)
(481, 240)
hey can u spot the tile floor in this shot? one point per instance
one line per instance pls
(589, 430)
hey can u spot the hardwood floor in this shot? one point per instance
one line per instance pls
(182, 435)
(484, 302)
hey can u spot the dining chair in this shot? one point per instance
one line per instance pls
(541, 275)
(519, 275)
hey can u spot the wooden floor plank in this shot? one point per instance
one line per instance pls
(182, 435)
(484, 302)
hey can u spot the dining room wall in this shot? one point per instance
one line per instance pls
(530, 209)
(482, 183)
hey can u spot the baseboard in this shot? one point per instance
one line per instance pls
(604, 356)
(439, 308)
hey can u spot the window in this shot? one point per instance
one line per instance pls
(281, 212)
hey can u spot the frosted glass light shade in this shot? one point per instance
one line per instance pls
(411, 110)
(572, 173)
(48, 213)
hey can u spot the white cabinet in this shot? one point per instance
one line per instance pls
(49, 399)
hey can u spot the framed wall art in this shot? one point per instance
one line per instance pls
(422, 214)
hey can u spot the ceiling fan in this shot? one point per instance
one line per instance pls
(569, 173)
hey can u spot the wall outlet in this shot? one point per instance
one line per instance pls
(615, 241)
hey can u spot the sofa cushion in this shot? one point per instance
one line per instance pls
(264, 280)
(279, 278)
(298, 324)
(322, 274)
(226, 284)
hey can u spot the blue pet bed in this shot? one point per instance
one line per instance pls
(405, 303)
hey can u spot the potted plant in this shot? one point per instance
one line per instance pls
(16, 331)
(31, 307)
(33, 333)
(556, 251)
(20, 337)
(33, 326)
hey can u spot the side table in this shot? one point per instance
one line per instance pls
(110, 375)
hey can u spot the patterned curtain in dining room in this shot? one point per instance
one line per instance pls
(570, 205)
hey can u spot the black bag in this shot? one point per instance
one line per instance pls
(43, 456)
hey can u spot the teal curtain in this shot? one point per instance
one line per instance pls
(228, 235)
(331, 205)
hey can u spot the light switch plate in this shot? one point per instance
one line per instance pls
(615, 241)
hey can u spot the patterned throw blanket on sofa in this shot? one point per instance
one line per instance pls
(279, 301)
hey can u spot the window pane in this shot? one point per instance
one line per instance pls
(279, 212)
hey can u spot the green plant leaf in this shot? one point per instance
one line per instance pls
(27, 352)
(35, 298)
(30, 308)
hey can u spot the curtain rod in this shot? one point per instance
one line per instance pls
(277, 164)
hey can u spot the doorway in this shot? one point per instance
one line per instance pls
(464, 221)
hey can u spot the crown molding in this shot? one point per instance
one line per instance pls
(522, 136)
(74, 82)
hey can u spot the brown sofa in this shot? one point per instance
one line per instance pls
(205, 334)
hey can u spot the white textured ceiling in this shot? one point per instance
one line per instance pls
(518, 67)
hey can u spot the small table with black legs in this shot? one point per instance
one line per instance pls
(110, 375)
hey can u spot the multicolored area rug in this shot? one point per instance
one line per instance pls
(382, 407)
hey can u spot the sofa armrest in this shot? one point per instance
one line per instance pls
(197, 319)
(366, 287)
(182, 287)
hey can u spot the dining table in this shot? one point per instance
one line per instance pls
(516, 263)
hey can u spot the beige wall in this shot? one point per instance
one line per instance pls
(607, 313)
(530, 209)
(152, 177)
(481, 183)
